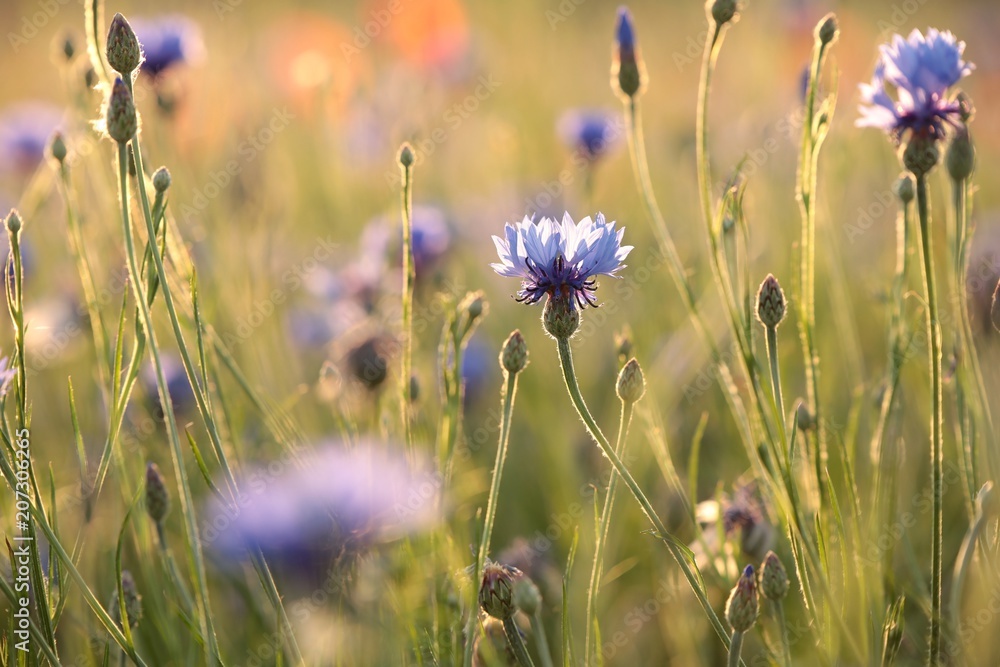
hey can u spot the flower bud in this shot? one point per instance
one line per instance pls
(904, 188)
(631, 384)
(496, 593)
(133, 601)
(773, 578)
(527, 597)
(560, 317)
(121, 120)
(406, 157)
(64, 46)
(804, 419)
(770, 302)
(514, 355)
(961, 155)
(161, 179)
(827, 30)
(742, 607)
(628, 72)
(414, 388)
(157, 496)
(722, 11)
(13, 222)
(920, 154)
(474, 305)
(57, 147)
(123, 50)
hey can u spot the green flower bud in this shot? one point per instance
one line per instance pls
(527, 597)
(496, 593)
(722, 11)
(64, 46)
(628, 71)
(961, 156)
(742, 607)
(631, 384)
(560, 317)
(773, 578)
(414, 388)
(514, 355)
(123, 50)
(406, 156)
(827, 30)
(474, 305)
(57, 147)
(904, 188)
(803, 417)
(157, 495)
(770, 302)
(13, 222)
(133, 602)
(920, 154)
(121, 121)
(161, 179)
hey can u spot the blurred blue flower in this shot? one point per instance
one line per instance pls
(338, 499)
(431, 238)
(25, 130)
(178, 387)
(167, 41)
(592, 132)
(479, 362)
(564, 257)
(920, 70)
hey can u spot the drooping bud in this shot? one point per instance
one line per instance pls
(121, 120)
(827, 30)
(628, 72)
(496, 592)
(161, 179)
(514, 355)
(920, 154)
(904, 188)
(527, 597)
(560, 317)
(133, 602)
(631, 383)
(961, 155)
(773, 578)
(406, 157)
(722, 11)
(57, 147)
(157, 495)
(742, 607)
(770, 302)
(123, 50)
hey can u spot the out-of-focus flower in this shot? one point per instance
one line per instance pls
(479, 362)
(25, 130)
(432, 34)
(338, 499)
(178, 387)
(739, 516)
(591, 132)
(921, 71)
(431, 239)
(554, 258)
(168, 41)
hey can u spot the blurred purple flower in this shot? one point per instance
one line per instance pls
(178, 387)
(564, 257)
(25, 130)
(592, 132)
(920, 70)
(479, 362)
(167, 41)
(431, 238)
(338, 499)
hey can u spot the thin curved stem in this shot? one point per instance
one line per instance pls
(786, 654)
(677, 550)
(604, 527)
(937, 416)
(516, 643)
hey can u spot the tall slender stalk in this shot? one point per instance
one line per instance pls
(735, 648)
(937, 416)
(406, 167)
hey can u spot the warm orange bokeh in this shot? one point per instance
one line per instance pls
(432, 34)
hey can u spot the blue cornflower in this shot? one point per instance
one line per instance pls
(25, 131)
(625, 34)
(921, 70)
(166, 41)
(562, 259)
(593, 132)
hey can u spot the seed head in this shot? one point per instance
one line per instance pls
(742, 607)
(773, 578)
(770, 302)
(514, 355)
(157, 496)
(121, 120)
(631, 383)
(123, 50)
(496, 593)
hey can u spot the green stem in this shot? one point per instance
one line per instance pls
(786, 654)
(735, 648)
(675, 548)
(538, 628)
(516, 643)
(604, 528)
(509, 392)
(937, 417)
(408, 280)
(962, 564)
(771, 335)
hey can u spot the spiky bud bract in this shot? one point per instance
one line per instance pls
(13, 222)
(514, 355)
(560, 317)
(123, 50)
(773, 578)
(406, 157)
(496, 592)
(120, 120)
(771, 305)
(57, 147)
(631, 384)
(743, 607)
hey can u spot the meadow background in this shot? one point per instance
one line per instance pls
(281, 139)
